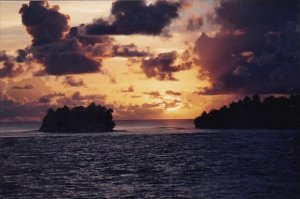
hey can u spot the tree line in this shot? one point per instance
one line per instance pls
(272, 112)
(92, 118)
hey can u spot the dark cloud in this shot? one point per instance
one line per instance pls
(194, 23)
(170, 92)
(153, 94)
(78, 32)
(163, 66)
(59, 54)
(11, 64)
(10, 69)
(130, 89)
(70, 63)
(95, 46)
(256, 49)
(65, 57)
(22, 55)
(24, 87)
(69, 80)
(44, 23)
(3, 56)
(47, 98)
(136, 17)
(129, 50)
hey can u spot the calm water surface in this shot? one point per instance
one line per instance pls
(149, 159)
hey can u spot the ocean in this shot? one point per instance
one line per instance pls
(149, 159)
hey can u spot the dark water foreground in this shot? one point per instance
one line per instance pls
(160, 162)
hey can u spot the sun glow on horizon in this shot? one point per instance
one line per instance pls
(193, 57)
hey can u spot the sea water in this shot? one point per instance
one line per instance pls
(149, 159)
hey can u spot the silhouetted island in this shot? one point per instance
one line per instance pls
(93, 118)
(272, 112)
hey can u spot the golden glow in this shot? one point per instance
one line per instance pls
(187, 105)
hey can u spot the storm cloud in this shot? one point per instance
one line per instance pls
(136, 17)
(256, 49)
(59, 55)
(44, 23)
(129, 50)
(65, 57)
(163, 66)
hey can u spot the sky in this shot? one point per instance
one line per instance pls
(155, 59)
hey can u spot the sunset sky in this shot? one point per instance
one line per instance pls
(145, 59)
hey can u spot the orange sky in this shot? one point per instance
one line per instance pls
(121, 83)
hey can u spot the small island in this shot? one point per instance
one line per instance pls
(252, 113)
(92, 118)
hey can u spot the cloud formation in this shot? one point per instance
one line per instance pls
(12, 64)
(163, 66)
(153, 94)
(44, 23)
(194, 23)
(78, 96)
(33, 110)
(10, 69)
(256, 49)
(170, 92)
(129, 50)
(70, 81)
(136, 17)
(46, 99)
(60, 55)
(3, 56)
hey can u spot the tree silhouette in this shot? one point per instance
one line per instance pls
(93, 118)
(272, 112)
